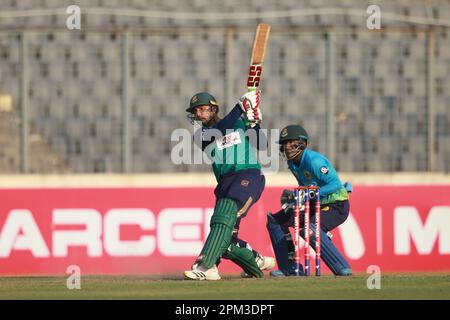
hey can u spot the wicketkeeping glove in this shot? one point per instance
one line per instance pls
(287, 200)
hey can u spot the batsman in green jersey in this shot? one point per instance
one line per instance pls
(240, 182)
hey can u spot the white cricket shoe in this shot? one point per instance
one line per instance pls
(200, 272)
(264, 264)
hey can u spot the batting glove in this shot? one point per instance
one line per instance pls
(249, 104)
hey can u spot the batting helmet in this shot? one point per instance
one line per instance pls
(202, 99)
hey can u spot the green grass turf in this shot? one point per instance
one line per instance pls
(393, 286)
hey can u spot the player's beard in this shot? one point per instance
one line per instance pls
(205, 121)
(209, 121)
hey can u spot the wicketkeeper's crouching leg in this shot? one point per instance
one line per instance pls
(282, 244)
(283, 247)
(334, 260)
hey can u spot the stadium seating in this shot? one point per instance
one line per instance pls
(75, 95)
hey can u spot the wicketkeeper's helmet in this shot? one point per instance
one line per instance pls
(293, 132)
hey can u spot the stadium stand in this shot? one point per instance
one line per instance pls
(75, 95)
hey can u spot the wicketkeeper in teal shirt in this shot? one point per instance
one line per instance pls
(310, 168)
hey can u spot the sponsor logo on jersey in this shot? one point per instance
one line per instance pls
(324, 170)
(228, 140)
(307, 175)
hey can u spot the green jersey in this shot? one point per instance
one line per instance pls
(233, 151)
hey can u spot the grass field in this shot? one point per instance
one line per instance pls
(393, 286)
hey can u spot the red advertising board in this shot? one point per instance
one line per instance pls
(161, 230)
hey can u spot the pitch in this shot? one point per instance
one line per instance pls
(393, 286)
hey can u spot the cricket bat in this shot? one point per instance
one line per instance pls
(257, 59)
